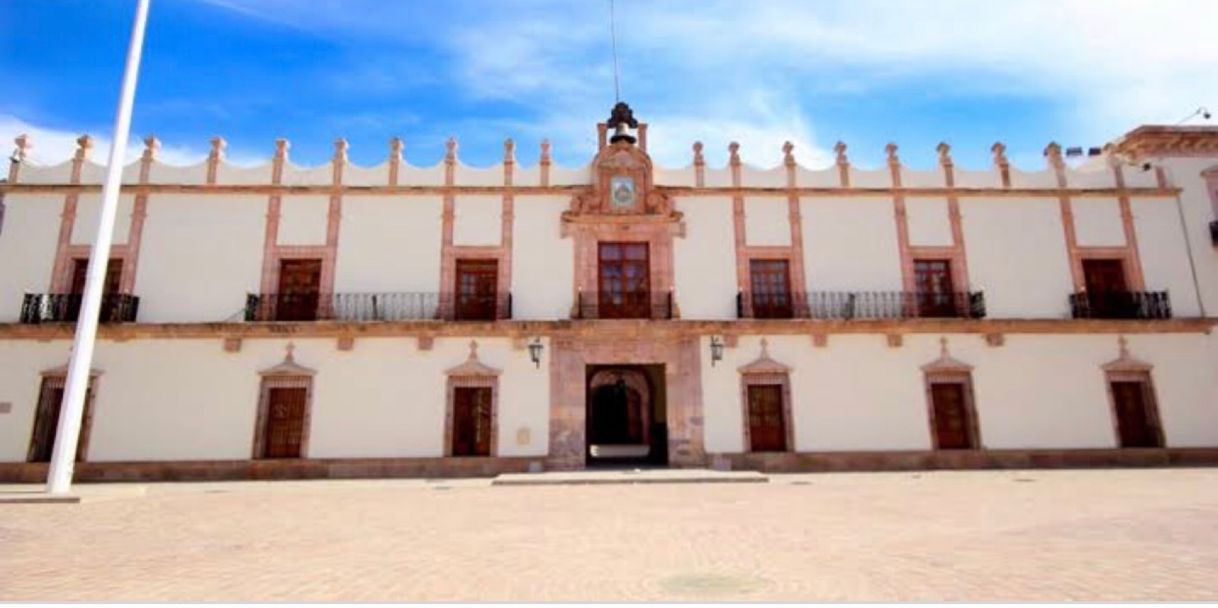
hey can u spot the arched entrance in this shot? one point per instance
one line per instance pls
(622, 420)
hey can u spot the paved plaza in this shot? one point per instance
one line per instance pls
(1028, 535)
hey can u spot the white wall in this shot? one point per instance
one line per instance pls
(1097, 222)
(1017, 255)
(1198, 211)
(928, 221)
(477, 220)
(1164, 255)
(21, 362)
(303, 219)
(199, 257)
(88, 208)
(705, 260)
(28, 239)
(543, 263)
(389, 244)
(850, 244)
(767, 221)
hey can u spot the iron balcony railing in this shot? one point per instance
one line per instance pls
(1121, 305)
(624, 305)
(65, 308)
(377, 307)
(847, 305)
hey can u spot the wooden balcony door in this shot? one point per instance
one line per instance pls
(1107, 292)
(1137, 422)
(476, 290)
(110, 287)
(46, 421)
(285, 420)
(624, 278)
(471, 421)
(767, 424)
(935, 294)
(771, 284)
(952, 416)
(299, 290)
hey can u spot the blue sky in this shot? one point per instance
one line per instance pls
(865, 72)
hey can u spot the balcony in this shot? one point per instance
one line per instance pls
(845, 306)
(365, 307)
(65, 308)
(1121, 305)
(624, 305)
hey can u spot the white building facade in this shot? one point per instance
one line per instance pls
(343, 321)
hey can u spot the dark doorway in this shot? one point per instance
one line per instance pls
(767, 426)
(771, 283)
(299, 290)
(1137, 419)
(477, 285)
(625, 281)
(626, 415)
(285, 420)
(1107, 292)
(46, 421)
(935, 292)
(110, 287)
(952, 416)
(471, 421)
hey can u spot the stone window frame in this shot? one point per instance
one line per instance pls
(765, 371)
(50, 378)
(287, 374)
(1126, 368)
(949, 370)
(471, 374)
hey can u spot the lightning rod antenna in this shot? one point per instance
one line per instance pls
(617, 92)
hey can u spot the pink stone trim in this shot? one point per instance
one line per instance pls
(843, 164)
(765, 371)
(1001, 163)
(396, 146)
(14, 167)
(545, 163)
(214, 158)
(471, 374)
(699, 166)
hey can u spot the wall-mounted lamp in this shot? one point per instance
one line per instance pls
(535, 348)
(716, 350)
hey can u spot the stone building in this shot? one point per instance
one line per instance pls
(283, 321)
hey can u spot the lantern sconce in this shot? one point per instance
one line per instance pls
(535, 348)
(716, 346)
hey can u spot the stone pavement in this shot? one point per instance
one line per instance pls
(1001, 535)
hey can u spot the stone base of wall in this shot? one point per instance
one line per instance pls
(221, 470)
(786, 462)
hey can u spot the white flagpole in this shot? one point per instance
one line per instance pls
(71, 411)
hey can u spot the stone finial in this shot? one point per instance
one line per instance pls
(23, 145)
(943, 347)
(396, 147)
(788, 156)
(84, 146)
(151, 146)
(473, 350)
(945, 153)
(999, 150)
(840, 149)
(281, 148)
(733, 150)
(1123, 345)
(217, 148)
(289, 356)
(1053, 152)
(509, 151)
(545, 151)
(450, 150)
(765, 348)
(698, 159)
(891, 149)
(340, 150)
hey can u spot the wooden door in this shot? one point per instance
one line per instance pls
(935, 293)
(299, 290)
(476, 290)
(46, 422)
(285, 422)
(625, 281)
(767, 424)
(1136, 424)
(952, 418)
(771, 284)
(471, 421)
(110, 287)
(1107, 292)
